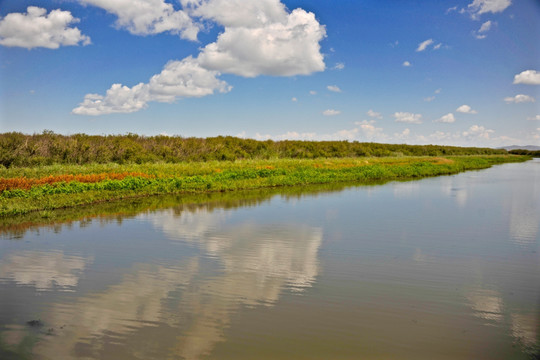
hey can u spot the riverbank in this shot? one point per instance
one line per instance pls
(29, 189)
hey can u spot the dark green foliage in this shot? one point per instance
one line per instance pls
(533, 153)
(17, 149)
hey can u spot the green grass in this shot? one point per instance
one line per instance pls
(222, 176)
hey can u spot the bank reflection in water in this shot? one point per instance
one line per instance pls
(188, 304)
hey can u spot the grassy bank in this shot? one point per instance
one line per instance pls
(24, 190)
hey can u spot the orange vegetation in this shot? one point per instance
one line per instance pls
(24, 183)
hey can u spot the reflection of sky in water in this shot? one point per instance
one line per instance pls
(455, 256)
(44, 270)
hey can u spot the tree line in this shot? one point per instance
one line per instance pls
(47, 148)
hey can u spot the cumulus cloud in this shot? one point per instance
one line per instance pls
(331, 112)
(36, 28)
(529, 77)
(374, 114)
(424, 44)
(333, 88)
(477, 132)
(479, 7)
(282, 48)
(259, 38)
(145, 17)
(369, 131)
(406, 64)
(520, 98)
(448, 118)
(466, 109)
(178, 79)
(406, 117)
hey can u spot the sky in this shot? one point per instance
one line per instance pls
(463, 72)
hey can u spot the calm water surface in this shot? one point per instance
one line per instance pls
(441, 268)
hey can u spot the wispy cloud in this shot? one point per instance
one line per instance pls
(484, 28)
(409, 118)
(334, 88)
(339, 66)
(331, 112)
(520, 98)
(537, 117)
(374, 114)
(36, 28)
(479, 7)
(424, 44)
(528, 77)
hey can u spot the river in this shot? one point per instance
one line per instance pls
(438, 268)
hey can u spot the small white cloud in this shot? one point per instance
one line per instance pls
(374, 114)
(334, 88)
(406, 117)
(370, 131)
(448, 118)
(481, 33)
(32, 91)
(537, 117)
(36, 28)
(520, 98)
(424, 44)
(429, 98)
(294, 99)
(312, 92)
(406, 64)
(477, 132)
(451, 9)
(529, 77)
(479, 7)
(331, 112)
(438, 91)
(241, 134)
(339, 66)
(466, 109)
(437, 47)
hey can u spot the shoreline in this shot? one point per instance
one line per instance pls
(145, 180)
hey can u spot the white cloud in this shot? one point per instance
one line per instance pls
(520, 98)
(281, 48)
(294, 99)
(36, 28)
(144, 17)
(438, 91)
(374, 114)
(333, 88)
(331, 112)
(466, 109)
(477, 132)
(369, 131)
(312, 92)
(406, 117)
(429, 98)
(339, 66)
(479, 7)
(537, 117)
(238, 13)
(437, 47)
(448, 118)
(529, 77)
(424, 44)
(406, 64)
(481, 33)
(178, 79)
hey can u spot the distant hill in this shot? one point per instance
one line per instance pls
(521, 147)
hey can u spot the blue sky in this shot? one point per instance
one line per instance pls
(419, 72)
